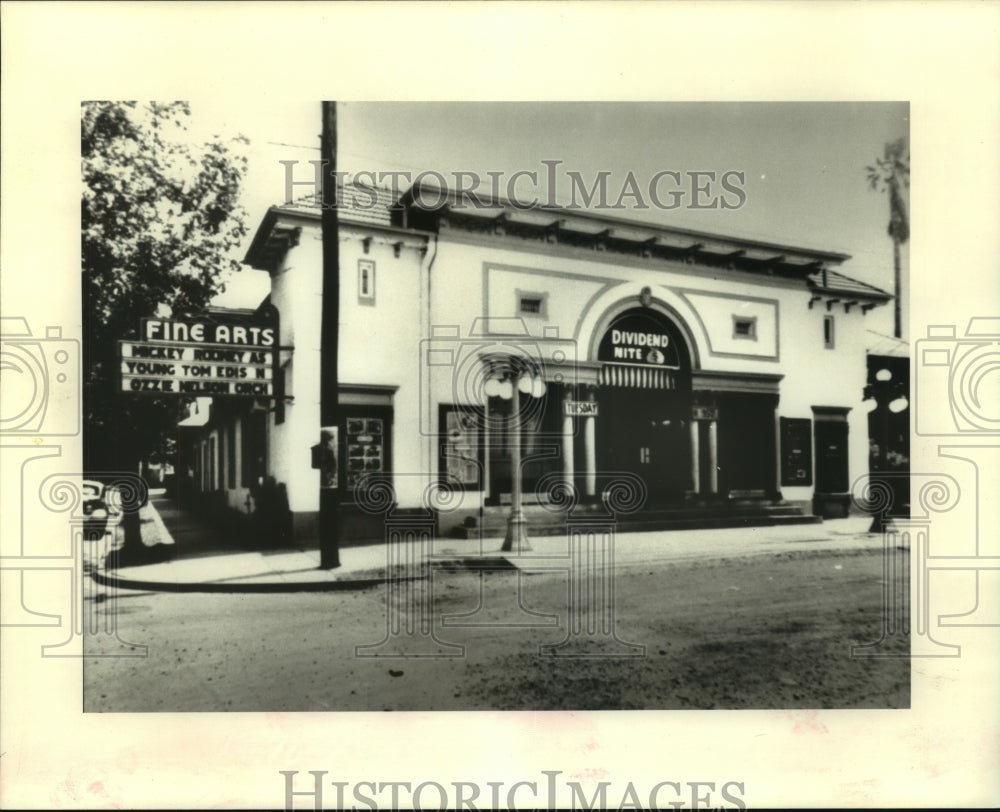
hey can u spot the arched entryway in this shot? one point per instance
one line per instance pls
(644, 396)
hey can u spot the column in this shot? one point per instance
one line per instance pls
(409, 598)
(590, 450)
(487, 442)
(981, 458)
(590, 608)
(590, 628)
(93, 620)
(906, 565)
(713, 457)
(567, 439)
(695, 460)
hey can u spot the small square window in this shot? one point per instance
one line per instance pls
(531, 303)
(745, 327)
(366, 281)
(828, 332)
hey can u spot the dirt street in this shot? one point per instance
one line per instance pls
(762, 632)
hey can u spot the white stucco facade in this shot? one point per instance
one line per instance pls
(758, 335)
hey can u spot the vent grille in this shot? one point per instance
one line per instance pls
(637, 377)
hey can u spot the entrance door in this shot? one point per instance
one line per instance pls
(831, 457)
(747, 457)
(645, 432)
(831, 499)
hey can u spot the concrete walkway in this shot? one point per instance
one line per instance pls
(198, 559)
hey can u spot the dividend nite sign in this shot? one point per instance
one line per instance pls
(201, 358)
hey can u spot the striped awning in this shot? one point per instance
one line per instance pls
(637, 377)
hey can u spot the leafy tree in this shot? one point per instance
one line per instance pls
(891, 174)
(160, 219)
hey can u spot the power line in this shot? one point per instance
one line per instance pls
(294, 146)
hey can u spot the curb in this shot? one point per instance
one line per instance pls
(343, 585)
(458, 564)
(496, 564)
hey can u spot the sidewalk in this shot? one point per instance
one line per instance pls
(199, 560)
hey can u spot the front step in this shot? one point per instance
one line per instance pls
(715, 523)
(546, 523)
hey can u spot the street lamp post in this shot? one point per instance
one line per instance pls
(516, 538)
(886, 396)
(515, 377)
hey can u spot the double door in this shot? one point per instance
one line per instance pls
(646, 433)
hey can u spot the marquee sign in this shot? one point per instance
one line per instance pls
(199, 357)
(640, 337)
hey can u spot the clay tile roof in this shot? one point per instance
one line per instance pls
(357, 205)
(881, 344)
(835, 282)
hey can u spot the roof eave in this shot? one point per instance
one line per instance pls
(807, 256)
(255, 252)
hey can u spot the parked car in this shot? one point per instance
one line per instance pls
(95, 509)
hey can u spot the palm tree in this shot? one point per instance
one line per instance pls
(892, 173)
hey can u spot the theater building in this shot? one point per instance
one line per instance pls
(725, 374)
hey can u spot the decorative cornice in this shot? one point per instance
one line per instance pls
(600, 232)
(748, 382)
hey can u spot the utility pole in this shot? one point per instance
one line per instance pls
(329, 497)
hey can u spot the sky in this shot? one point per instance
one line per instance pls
(803, 164)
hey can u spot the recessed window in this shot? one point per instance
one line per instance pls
(745, 327)
(231, 454)
(366, 450)
(531, 303)
(280, 390)
(828, 332)
(366, 281)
